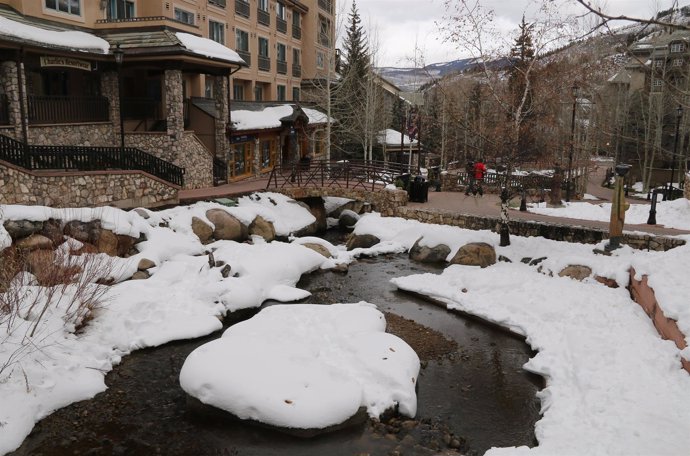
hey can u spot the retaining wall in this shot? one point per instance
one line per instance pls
(83, 189)
(386, 202)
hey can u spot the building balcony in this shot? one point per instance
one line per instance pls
(246, 56)
(297, 32)
(242, 8)
(263, 17)
(281, 25)
(281, 67)
(218, 3)
(67, 109)
(145, 21)
(326, 5)
(296, 71)
(264, 63)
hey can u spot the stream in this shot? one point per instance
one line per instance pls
(473, 393)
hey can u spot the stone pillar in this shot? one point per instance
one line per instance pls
(174, 103)
(110, 90)
(10, 86)
(220, 94)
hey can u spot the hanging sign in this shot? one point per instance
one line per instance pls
(55, 61)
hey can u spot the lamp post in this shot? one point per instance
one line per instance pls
(574, 90)
(119, 57)
(618, 208)
(679, 115)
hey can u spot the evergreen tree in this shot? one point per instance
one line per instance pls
(356, 58)
(521, 93)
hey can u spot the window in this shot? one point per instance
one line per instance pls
(678, 62)
(267, 157)
(184, 16)
(208, 86)
(64, 6)
(319, 60)
(677, 47)
(258, 93)
(282, 54)
(295, 94)
(281, 11)
(657, 85)
(281, 92)
(263, 47)
(241, 40)
(216, 31)
(120, 9)
(263, 5)
(295, 57)
(296, 19)
(238, 92)
(658, 63)
(324, 31)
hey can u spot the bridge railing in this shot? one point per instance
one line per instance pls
(352, 174)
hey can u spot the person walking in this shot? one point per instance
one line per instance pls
(479, 172)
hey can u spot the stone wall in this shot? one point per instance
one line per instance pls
(82, 189)
(93, 134)
(525, 228)
(386, 202)
(686, 188)
(187, 152)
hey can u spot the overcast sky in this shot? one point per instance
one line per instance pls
(398, 24)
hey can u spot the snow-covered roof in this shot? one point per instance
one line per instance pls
(268, 117)
(392, 138)
(209, 48)
(69, 39)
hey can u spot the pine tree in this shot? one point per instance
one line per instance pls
(522, 58)
(356, 52)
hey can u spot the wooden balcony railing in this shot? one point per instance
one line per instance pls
(4, 110)
(264, 63)
(281, 25)
(297, 32)
(246, 56)
(263, 17)
(296, 71)
(281, 67)
(68, 109)
(242, 8)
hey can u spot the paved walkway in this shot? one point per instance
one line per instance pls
(487, 205)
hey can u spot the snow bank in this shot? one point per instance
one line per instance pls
(614, 386)
(305, 366)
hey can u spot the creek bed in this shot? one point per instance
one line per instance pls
(473, 393)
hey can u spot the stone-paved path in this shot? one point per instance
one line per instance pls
(487, 205)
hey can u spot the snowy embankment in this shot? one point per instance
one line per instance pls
(183, 298)
(671, 214)
(614, 387)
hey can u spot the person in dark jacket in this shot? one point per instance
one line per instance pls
(469, 169)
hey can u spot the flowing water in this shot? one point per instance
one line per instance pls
(477, 395)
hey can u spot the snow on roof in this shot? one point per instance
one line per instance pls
(209, 48)
(267, 118)
(316, 117)
(81, 41)
(392, 138)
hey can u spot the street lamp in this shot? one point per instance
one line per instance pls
(574, 90)
(119, 57)
(618, 208)
(679, 115)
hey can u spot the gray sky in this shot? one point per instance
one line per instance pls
(398, 24)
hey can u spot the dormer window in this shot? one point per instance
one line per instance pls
(677, 47)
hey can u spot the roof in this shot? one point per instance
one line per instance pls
(246, 116)
(392, 138)
(19, 29)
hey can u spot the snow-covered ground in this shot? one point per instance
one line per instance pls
(671, 214)
(613, 386)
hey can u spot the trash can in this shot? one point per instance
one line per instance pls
(419, 190)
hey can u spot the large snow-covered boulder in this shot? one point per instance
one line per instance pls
(305, 366)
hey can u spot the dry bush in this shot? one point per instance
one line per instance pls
(34, 283)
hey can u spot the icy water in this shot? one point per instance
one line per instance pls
(478, 395)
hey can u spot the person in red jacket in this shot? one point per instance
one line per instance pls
(479, 172)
